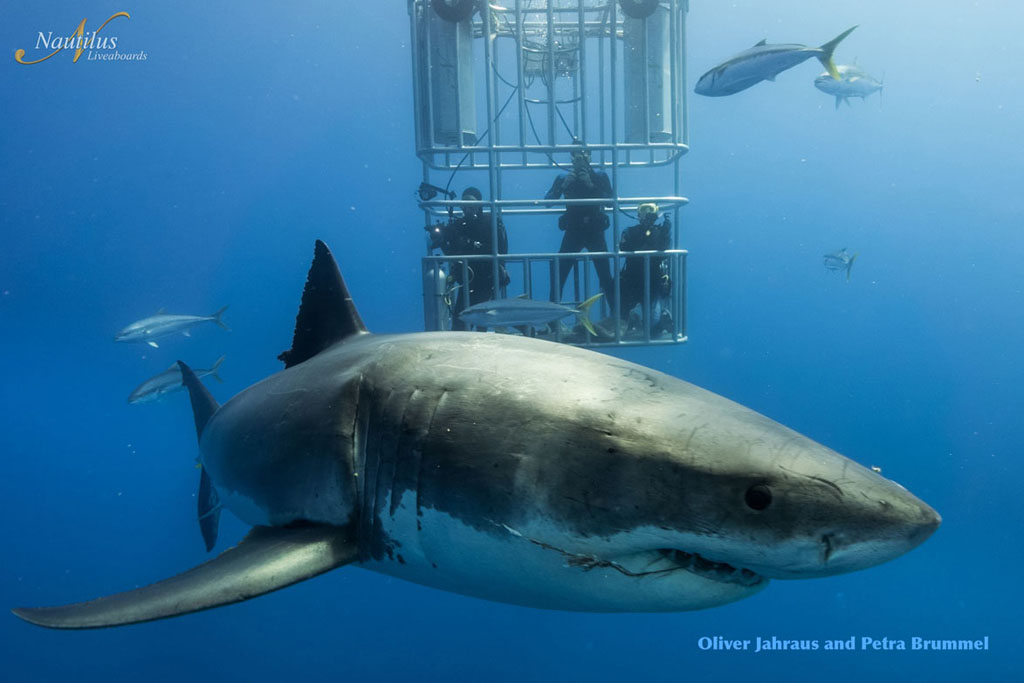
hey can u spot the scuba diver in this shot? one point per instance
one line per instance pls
(647, 235)
(470, 234)
(584, 226)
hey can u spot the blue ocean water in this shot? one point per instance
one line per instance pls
(201, 176)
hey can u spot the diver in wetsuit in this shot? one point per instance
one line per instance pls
(584, 226)
(468, 235)
(647, 235)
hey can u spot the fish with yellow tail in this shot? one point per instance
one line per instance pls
(528, 312)
(763, 62)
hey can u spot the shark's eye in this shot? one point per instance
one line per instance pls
(758, 497)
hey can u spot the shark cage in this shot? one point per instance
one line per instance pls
(572, 95)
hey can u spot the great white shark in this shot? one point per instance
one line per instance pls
(511, 469)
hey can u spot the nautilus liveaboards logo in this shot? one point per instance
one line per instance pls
(95, 47)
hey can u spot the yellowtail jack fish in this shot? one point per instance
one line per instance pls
(168, 382)
(518, 312)
(148, 330)
(840, 260)
(853, 82)
(763, 62)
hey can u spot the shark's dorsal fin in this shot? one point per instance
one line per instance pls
(327, 314)
(203, 403)
(763, 41)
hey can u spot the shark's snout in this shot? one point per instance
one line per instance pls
(830, 520)
(928, 521)
(869, 534)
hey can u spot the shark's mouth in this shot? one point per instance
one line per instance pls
(709, 569)
(652, 562)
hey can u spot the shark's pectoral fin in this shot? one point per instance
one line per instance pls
(267, 559)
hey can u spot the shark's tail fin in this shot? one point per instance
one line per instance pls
(828, 48)
(203, 408)
(216, 366)
(584, 313)
(849, 265)
(216, 318)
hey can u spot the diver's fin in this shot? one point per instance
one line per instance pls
(203, 403)
(267, 559)
(828, 48)
(208, 510)
(327, 314)
(584, 313)
(216, 318)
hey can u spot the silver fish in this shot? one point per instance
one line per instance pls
(164, 324)
(840, 260)
(513, 312)
(853, 82)
(169, 381)
(764, 62)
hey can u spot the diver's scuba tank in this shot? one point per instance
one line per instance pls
(437, 312)
(437, 284)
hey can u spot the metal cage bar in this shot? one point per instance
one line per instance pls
(440, 302)
(566, 52)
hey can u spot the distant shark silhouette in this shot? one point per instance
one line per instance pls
(511, 469)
